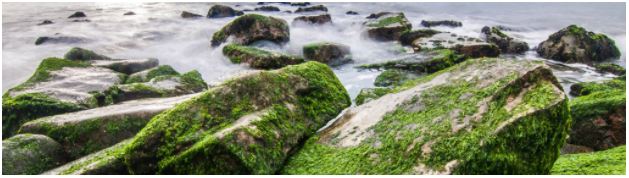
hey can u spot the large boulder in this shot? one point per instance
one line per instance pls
(258, 58)
(387, 26)
(250, 28)
(472, 118)
(599, 114)
(247, 125)
(220, 11)
(608, 162)
(30, 154)
(449, 23)
(104, 162)
(330, 53)
(318, 19)
(468, 46)
(507, 44)
(575, 44)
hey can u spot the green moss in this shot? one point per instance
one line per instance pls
(106, 161)
(42, 73)
(370, 93)
(611, 68)
(258, 58)
(298, 100)
(245, 21)
(585, 88)
(441, 59)
(497, 31)
(398, 19)
(608, 162)
(597, 104)
(162, 70)
(392, 77)
(193, 80)
(80, 54)
(29, 154)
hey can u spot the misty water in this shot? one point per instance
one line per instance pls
(158, 31)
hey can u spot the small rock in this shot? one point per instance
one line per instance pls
(299, 3)
(129, 13)
(312, 9)
(507, 44)
(80, 54)
(610, 68)
(258, 58)
(186, 14)
(45, 22)
(449, 23)
(387, 26)
(319, 19)
(333, 54)
(220, 11)
(77, 14)
(351, 13)
(267, 8)
(250, 28)
(60, 39)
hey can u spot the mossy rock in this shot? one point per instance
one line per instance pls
(316, 19)
(610, 68)
(250, 28)
(575, 44)
(220, 11)
(368, 94)
(408, 37)
(258, 58)
(80, 54)
(312, 9)
(507, 44)
(147, 75)
(468, 46)
(127, 66)
(423, 62)
(608, 162)
(333, 54)
(104, 162)
(393, 77)
(164, 86)
(387, 26)
(599, 117)
(30, 154)
(472, 118)
(247, 125)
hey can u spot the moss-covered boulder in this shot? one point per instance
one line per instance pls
(387, 26)
(250, 28)
(267, 8)
(312, 9)
(330, 53)
(30, 154)
(80, 54)
(368, 94)
(507, 44)
(599, 115)
(163, 86)
(610, 68)
(220, 11)
(104, 162)
(84, 132)
(608, 162)
(127, 66)
(408, 37)
(259, 58)
(147, 75)
(448, 23)
(467, 46)
(317, 19)
(393, 77)
(423, 62)
(575, 44)
(483, 116)
(247, 125)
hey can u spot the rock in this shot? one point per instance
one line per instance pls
(77, 14)
(164, 86)
(599, 115)
(45, 22)
(258, 58)
(351, 13)
(387, 27)
(60, 39)
(507, 45)
(250, 28)
(408, 37)
(575, 44)
(127, 66)
(423, 62)
(609, 162)
(572, 149)
(449, 23)
(80, 54)
(368, 94)
(312, 9)
(248, 124)
(81, 20)
(478, 50)
(186, 14)
(299, 3)
(30, 154)
(393, 77)
(58, 86)
(84, 132)
(104, 162)
(586, 88)
(377, 15)
(462, 120)
(319, 19)
(610, 68)
(470, 47)
(147, 75)
(333, 54)
(220, 11)
(129, 13)
(267, 8)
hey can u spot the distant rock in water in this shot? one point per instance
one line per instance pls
(30, 154)
(77, 14)
(351, 13)
(574, 44)
(299, 3)
(267, 8)
(468, 46)
(377, 15)
(422, 62)
(462, 120)
(387, 26)
(45, 22)
(127, 66)
(220, 11)
(408, 37)
(80, 54)
(257, 58)
(319, 19)
(250, 28)
(186, 14)
(129, 13)
(312, 9)
(449, 23)
(81, 20)
(610, 68)
(60, 39)
(333, 54)
(507, 44)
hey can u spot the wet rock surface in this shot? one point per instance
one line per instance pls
(259, 58)
(30, 154)
(189, 15)
(319, 19)
(387, 26)
(507, 44)
(330, 53)
(250, 28)
(312, 9)
(576, 44)
(60, 39)
(449, 23)
(77, 14)
(221, 11)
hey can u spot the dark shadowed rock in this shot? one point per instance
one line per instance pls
(250, 28)
(387, 26)
(186, 14)
(30, 154)
(408, 37)
(80, 54)
(575, 44)
(312, 9)
(377, 15)
(333, 54)
(351, 13)
(478, 50)
(45, 22)
(319, 19)
(258, 58)
(449, 23)
(610, 68)
(60, 39)
(267, 8)
(299, 3)
(220, 11)
(507, 44)
(104, 162)
(572, 149)
(129, 13)
(127, 66)
(77, 14)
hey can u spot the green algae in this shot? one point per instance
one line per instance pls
(608, 162)
(258, 58)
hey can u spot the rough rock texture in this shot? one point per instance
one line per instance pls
(84, 132)
(127, 66)
(408, 37)
(393, 77)
(258, 58)
(30, 154)
(368, 94)
(247, 125)
(249, 28)
(318, 19)
(104, 162)
(163, 86)
(470, 47)
(423, 62)
(148, 74)
(80, 54)
(330, 53)
(77, 14)
(449, 23)
(572, 149)
(387, 26)
(220, 11)
(267, 8)
(186, 14)
(575, 44)
(506, 43)
(610, 68)
(483, 116)
(599, 117)
(608, 162)
(312, 9)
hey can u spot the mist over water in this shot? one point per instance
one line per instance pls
(158, 31)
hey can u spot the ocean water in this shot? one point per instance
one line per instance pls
(158, 31)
